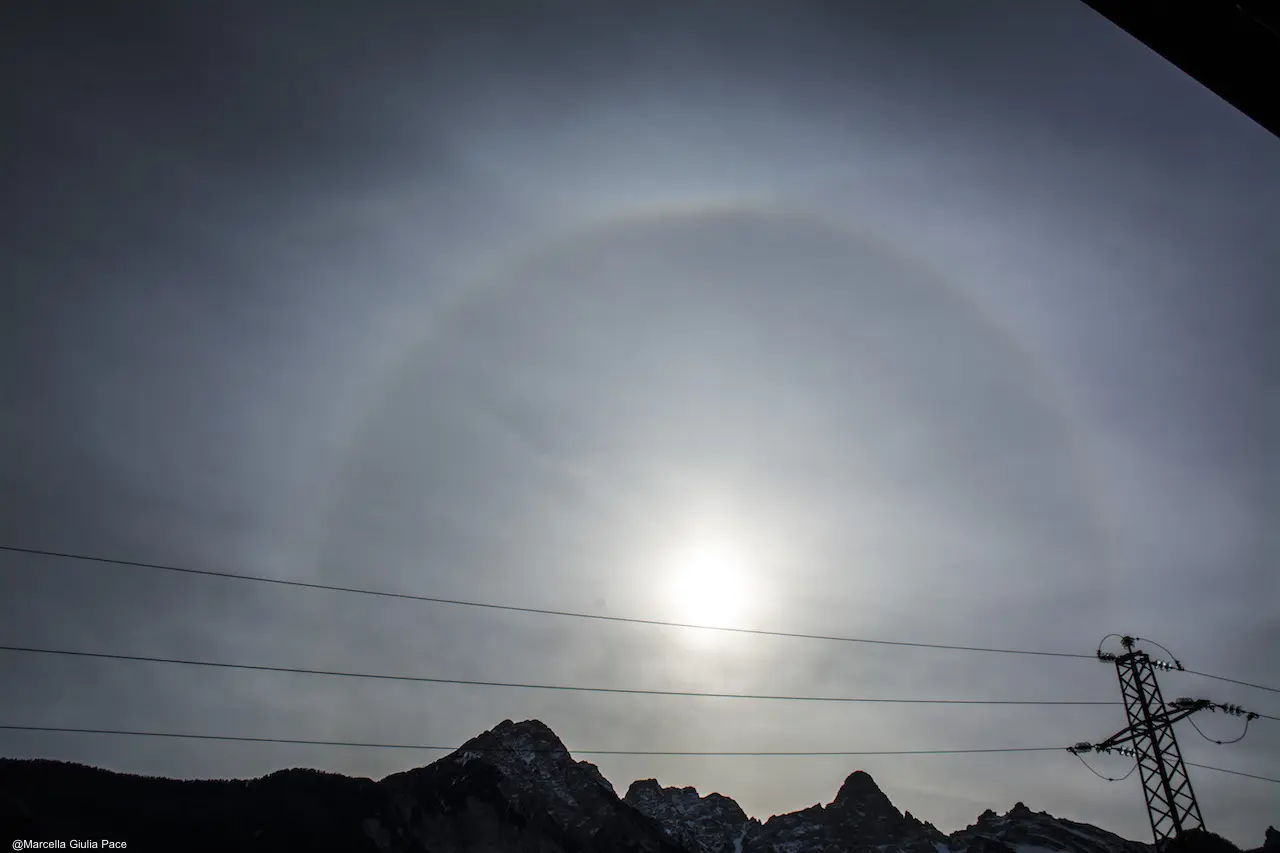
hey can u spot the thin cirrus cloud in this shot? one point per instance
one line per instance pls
(952, 327)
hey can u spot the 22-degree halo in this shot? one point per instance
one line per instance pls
(697, 238)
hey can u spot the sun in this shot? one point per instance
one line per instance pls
(709, 584)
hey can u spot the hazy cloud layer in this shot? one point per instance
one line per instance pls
(950, 326)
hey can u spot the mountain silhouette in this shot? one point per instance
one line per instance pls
(513, 788)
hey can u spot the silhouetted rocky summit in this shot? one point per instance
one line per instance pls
(514, 788)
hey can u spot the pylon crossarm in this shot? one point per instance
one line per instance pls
(1180, 709)
(1122, 736)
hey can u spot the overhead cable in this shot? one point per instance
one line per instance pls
(533, 610)
(515, 749)
(1106, 778)
(473, 682)
(69, 730)
(1233, 681)
(1232, 772)
(1215, 740)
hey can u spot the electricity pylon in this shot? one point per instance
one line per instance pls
(1171, 803)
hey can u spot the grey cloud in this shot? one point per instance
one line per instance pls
(959, 322)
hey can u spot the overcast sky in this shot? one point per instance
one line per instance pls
(879, 320)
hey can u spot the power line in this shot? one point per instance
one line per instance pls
(1215, 740)
(1106, 778)
(469, 682)
(68, 730)
(534, 610)
(1180, 668)
(570, 614)
(1176, 665)
(425, 747)
(513, 749)
(1232, 681)
(1171, 655)
(1233, 772)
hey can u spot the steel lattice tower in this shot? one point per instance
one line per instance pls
(1171, 803)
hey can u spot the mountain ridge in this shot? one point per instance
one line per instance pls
(515, 787)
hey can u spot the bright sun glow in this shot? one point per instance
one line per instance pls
(709, 585)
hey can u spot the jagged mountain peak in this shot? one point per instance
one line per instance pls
(528, 734)
(643, 787)
(859, 787)
(529, 754)
(649, 790)
(710, 824)
(517, 779)
(860, 818)
(916, 827)
(1022, 828)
